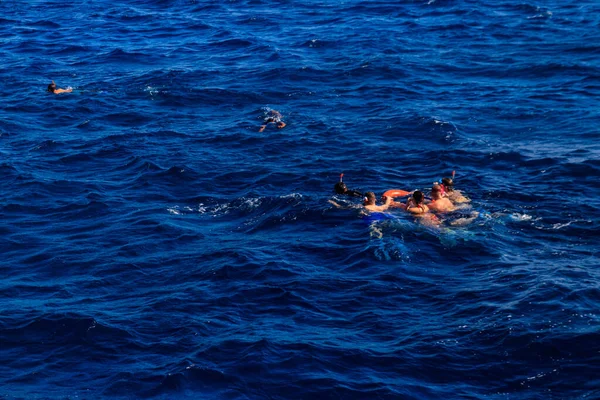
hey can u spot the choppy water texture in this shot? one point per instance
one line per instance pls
(156, 245)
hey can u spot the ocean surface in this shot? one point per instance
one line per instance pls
(154, 244)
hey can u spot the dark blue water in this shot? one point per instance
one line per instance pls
(154, 244)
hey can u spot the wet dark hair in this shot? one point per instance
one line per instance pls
(370, 197)
(448, 184)
(52, 87)
(340, 188)
(418, 196)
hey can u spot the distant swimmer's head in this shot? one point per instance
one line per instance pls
(369, 199)
(418, 196)
(448, 184)
(52, 87)
(340, 188)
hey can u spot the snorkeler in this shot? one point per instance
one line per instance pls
(463, 215)
(455, 196)
(341, 188)
(273, 117)
(53, 89)
(439, 203)
(370, 203)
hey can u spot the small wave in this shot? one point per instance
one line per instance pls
(60, 329)
(127, 119)
(7, 169)
(175, 178)
(45, 24)
(209, 380)
(174, 210)
(132, 17)
(581, 49)
(138, 164)
(237, 43)
(76, 158)
(85, 125)
(46, 144)
(391, 248)
(318, 43)
(551, 69)
(543, 15)
(124, 56)
(560, 226)
(71, 49)
(521, 217)
(438, 128)
(589, 169)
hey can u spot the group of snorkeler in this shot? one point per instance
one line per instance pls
(444, 198)
(271, 117)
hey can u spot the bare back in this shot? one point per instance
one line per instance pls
(442, 205)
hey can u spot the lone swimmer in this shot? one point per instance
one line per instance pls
(273, 117)
(53, 89)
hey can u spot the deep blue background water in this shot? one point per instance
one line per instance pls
(154, 244)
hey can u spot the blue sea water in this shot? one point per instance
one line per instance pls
(155, 245)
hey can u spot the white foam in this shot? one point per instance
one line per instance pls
(546, 14)
(174, 210)
(559, 226)
(252, 203)
(292, 195)
(521, 217)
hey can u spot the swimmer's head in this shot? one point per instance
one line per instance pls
(52, 87)
(436, 192)
(418, 196)
(369, 198)
(340, 188)
(448, 184)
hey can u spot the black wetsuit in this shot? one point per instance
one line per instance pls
(353, 193)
